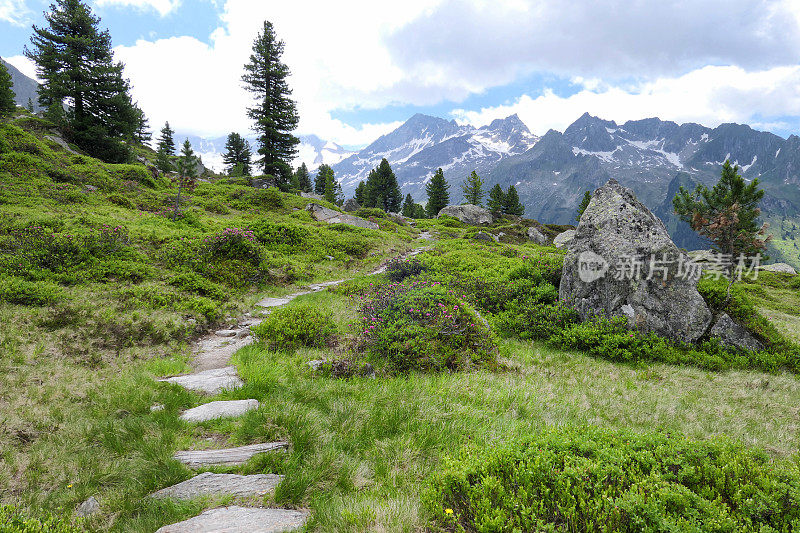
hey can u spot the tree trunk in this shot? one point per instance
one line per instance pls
(177, 201)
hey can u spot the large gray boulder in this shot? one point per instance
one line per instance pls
(351, 205)
(324, 214)
(618, 245)
(563, 238)
(537, 236)
(468, 214)
(782, 268)
(732, 334)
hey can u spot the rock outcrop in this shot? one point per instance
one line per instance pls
(563, 238)
(732, 334)
(351, 205)
(622, 263)
(782, 268)
(324, 214)
(537, 236)
(468, 214)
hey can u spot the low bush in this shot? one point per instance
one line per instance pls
(400, 268)
(370, 212)
(283, 237)
(588, 479)
(215, 205)
(194, 283)
(13, 521)
(290, 328)
(20, 291)
(122, 201)
(422, 326)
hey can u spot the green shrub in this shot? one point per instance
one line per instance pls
(530, 320)
(269, 199)
(399, 268)
(19, 291)
(201, 305)
(13, 521)
(122, 201)
(194, 283)
(283, 237)
(422, 326)
(215, 205)
(367, 212)
(588, 479)
(289, 328)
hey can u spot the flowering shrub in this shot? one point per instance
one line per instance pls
(422, 326)
(282, 237)
(585, 480)
(289, 328)
(19, 291)
(400, 268)
(232, 243)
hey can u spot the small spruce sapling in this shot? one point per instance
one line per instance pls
(587, 197)
(187, 174)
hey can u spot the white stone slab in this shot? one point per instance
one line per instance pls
(210, 484)
(220, 409)
(227, 456)
(274, 302)
(209, 381)
(236, 519)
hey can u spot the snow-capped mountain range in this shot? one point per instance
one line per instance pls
(424, 143)
(312, 150)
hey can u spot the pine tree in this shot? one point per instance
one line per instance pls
(76, 64)
(30, 105)
(419, 211)
(382, 190)
(7, 103)
(322, 176)
(497, 199)
(295, 182)
(408, 207)
(438, 197)
(727, 214)
(587, 197)
(303, 179)
(473, 189)
(360, 194)
(338, 194)
(142, 135)
(330, 188)
(237, 155)
(166, 149)
(511, 205)
(274, 112)
(187, 173)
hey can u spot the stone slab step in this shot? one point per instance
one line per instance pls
(274, 302)
(209, 381)
(219, 409)
(236, 519)
(226, 456)
(210, 484)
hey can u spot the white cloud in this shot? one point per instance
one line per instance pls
(163, 7)
(710, 96)
(24, 65)
(14, 12)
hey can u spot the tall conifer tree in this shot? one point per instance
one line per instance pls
(497, 199)
(237, 155)
(166, 149)
(473, 189)
(438, 197)
(303, 179)
(274, 112)
(76, 65)
(382, 190)
(323, 172)
(511, 204)
(7, 103)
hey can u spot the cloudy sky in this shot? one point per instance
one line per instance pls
(360, 68)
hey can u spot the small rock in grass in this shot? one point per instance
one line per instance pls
(157, 407)
(225, 333)
(88, 508)
(315, 364)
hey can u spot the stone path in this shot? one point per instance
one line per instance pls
(235, 519)
(212, 374)
(226, 456)
(209, 484)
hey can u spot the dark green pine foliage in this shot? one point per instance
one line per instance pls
(511, 205)
(7, 104)
(323, 173)
(303, 180)
(142, 135)
(237, 155)
(473, 189)
(497, 199)
(360, 194)
(166, 149)
(381, 190)
(330, 188)
(30, 105)
(187, 173)
(727, 214)
(587, 197)
(419, 211)
(76, 65)
(408, 207)
(438, 196)
(274, 113)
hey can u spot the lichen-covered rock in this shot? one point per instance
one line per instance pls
(732, 334)
(782, 268)
(88, 508)
(622, 263)
(483, 236)
(351, 205)
(323, 214)
(468, 214)
(537, 236)
(235, 519)
(563, 238)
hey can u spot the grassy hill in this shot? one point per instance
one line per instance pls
(477, 368)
